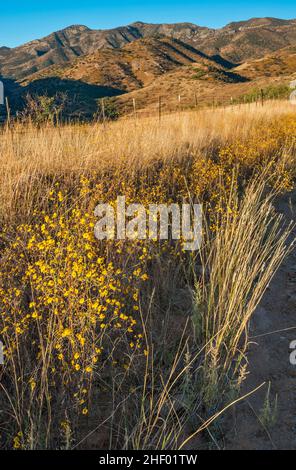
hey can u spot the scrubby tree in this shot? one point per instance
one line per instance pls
(42, 108)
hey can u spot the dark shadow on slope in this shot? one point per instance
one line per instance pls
(218, 59)
(82, 98)
(228, 77)
(12, 92)
(223, 62)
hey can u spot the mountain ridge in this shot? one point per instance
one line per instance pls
(235, 42)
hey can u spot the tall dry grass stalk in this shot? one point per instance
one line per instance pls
(238, 265)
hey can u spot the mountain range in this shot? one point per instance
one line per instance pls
(144, 61)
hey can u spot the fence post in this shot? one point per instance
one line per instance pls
(262, 97)
(1, 93)
(1, 353)
(135, 108)
(8, 112)
(103, 109)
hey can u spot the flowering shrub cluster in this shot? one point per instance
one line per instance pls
(65, 302)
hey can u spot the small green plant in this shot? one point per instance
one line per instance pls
(199, 73)
(107, 110)
(268, 414)
(42, 108)
(271, 92)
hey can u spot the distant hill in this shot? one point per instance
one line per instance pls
(137, 64)
(235, 42)
(62, 46)
(144, 61)
(276, 64)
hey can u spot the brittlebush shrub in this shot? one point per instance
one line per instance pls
(65, 303)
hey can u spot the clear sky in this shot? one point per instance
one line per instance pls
(22, 21)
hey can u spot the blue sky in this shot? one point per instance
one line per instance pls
(22, 21)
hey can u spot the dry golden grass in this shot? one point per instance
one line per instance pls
(28, 153)
(238, 265)
(127, 340)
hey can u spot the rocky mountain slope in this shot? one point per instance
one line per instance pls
(138, 64)
(276, 64)
(236, 42)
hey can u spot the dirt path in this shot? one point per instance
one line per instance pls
(269, 362)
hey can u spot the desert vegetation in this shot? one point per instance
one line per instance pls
(135, 344)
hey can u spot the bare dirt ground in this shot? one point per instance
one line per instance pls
(273, 328)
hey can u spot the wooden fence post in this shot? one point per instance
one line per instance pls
(8, 112)
(262, 97)
(135, 108)
(103, 109)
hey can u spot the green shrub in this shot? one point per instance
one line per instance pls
(107, 109)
